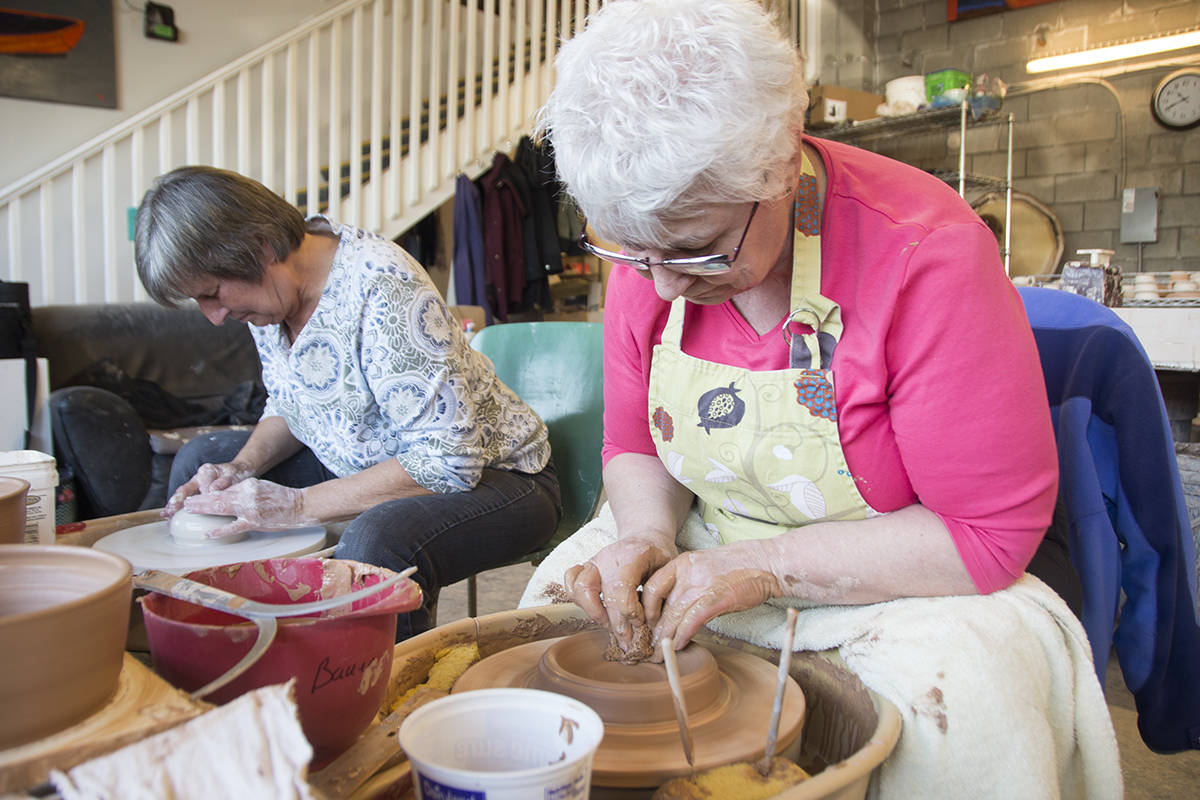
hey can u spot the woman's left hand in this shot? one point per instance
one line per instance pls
(696, 586)
(258, 505)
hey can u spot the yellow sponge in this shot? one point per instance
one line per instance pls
(449, 663)
(741, 780)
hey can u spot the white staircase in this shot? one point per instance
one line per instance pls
(367, 112)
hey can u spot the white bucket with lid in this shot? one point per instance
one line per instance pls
(39, 469)
(502, 744)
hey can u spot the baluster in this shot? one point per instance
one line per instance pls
(137, 155)
(243, 121)
(46, 240)
(356, 137)
(312, 203)
(269, 145)
(333, 185)
(191, 130)
(437, 51)
(395, 131)
(108, 222)
(79, 229)
(218, 124)
(290, 114)
(376, 145)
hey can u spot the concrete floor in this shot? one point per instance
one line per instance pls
(1148, 775)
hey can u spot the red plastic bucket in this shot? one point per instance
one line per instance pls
(340, 658)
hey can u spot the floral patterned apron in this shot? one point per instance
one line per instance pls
(760, 449)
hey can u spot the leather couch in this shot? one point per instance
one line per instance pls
(131, 381)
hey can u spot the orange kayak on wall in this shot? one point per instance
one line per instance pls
(31, 33)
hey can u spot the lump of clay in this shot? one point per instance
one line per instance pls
(639, 650)
(740, 779)
(192, 529)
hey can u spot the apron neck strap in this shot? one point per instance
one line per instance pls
(808, 306)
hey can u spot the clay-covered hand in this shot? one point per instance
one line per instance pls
(606, 587)
(258, 505)
(699, 585)
(209, 478)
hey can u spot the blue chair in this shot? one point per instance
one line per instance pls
(1129, 527)
(557, 368)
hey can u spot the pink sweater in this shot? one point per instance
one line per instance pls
(939, 387)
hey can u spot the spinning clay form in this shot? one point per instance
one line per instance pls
(192, 529)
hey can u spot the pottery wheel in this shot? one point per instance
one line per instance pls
(728, 693)
(150, 546)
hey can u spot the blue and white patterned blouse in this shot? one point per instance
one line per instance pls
(381, 370)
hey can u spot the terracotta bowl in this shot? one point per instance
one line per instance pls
(13, 492)
(64, 615)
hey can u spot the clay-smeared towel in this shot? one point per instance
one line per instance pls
(997, 692)
(250, 748)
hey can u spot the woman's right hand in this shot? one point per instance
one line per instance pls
(606, 586)
(209, 478)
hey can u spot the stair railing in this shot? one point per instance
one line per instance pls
(366, 112)
(336, 115)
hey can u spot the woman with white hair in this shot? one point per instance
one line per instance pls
(821, 389)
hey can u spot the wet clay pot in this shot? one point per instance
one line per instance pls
(728, 695)
(64, 615)
(13, 492)
(340, 658)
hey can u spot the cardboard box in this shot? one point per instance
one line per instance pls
(835, 105)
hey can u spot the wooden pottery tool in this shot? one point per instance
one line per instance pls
(685, 731)
(785, 661)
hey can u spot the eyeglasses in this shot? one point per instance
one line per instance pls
(715, 264)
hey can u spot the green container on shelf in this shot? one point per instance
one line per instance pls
(947, 87)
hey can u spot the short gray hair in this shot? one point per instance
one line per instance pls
(202, 222)
(664, 105)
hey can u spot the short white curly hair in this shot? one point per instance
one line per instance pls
(664, 105)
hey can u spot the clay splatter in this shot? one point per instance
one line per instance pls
(934, 707)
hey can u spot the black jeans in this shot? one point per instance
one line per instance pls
(447, 537)
(1052, 561)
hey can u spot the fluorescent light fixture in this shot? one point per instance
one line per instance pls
(1115, 52)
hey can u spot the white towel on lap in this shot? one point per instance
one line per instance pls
(997, 692)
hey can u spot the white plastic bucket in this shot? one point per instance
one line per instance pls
(906, 94)
(502, 744)
(38, 469)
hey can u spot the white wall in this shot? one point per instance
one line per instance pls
(212, 33)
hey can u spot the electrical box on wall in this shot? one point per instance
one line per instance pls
(158, 22)
(1139, 215)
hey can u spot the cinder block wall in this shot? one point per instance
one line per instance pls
(1077, 144)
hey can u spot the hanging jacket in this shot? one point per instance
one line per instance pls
(470, 279)
(1130, 533)
(543, 256)
(504, 202)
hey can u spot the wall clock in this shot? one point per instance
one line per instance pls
(1176, 101)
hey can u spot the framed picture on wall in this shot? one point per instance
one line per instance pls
(964, 9)
(62, 51)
